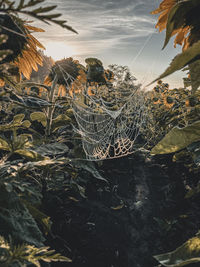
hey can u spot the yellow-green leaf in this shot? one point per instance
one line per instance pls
(30, 154)
(118, 207)
(177, 139)
(18, 118)
(40, 117)
(186, 254)
(4, 144)
(26, 124)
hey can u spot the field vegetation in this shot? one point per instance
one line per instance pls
(58, 209)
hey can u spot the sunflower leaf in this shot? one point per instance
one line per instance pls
(44, 9)
(186, 254)
(181, 60)
(40, 117)
(177, 139)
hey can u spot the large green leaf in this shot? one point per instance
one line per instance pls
(177, 139)
(186, 254)
(181, 60)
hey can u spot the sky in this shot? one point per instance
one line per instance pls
(117, 32)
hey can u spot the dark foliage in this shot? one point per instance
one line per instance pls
(15, 31)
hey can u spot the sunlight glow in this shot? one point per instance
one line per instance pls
(58, 50)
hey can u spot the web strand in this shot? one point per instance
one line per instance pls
(108, 129)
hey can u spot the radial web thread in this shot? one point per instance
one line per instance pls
(109, 118)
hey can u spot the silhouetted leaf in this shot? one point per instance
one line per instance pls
(181, 60)
(44, 9)
(21, 4)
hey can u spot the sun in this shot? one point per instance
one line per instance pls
(58, 50)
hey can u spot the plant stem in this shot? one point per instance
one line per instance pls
(50, 110)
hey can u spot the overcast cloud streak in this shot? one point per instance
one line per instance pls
(115, 32)
(102, 25)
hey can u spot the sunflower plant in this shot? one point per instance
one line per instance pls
(21, 237)
(180, 18)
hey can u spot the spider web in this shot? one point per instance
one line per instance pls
(109, 118)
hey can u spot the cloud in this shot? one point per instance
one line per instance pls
(102, 25)
(114, 31)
